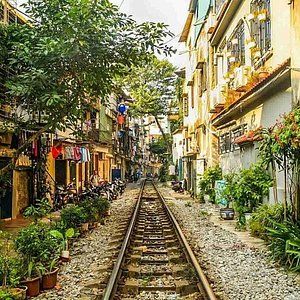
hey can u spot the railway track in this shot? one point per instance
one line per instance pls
(155, 260)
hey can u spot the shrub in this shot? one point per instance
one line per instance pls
(73, 216)
(36, 244)
(284, 243)
(263, 217)
(41, 209)
(251, 187)
(89, 209)
(207, 182)
(102, 206)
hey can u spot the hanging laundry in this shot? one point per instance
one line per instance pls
(83, 154)
(88, 155)
(69, 154)
(56, 151)
(77, 153)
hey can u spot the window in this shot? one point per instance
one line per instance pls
(235, 133)
(261, 27)
(236, 46)
(225, 143)
(226, 140)
(186, 106)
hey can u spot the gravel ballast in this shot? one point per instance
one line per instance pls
(91, 256)
(236, 270)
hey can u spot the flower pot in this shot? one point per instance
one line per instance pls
(18, 293)
(250, 17)
(49, 280)
(263, 74)
(33, 286)
(227, 213)
(65, 256)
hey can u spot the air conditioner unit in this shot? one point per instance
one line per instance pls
(241, 77)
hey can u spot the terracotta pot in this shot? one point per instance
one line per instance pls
(33, 286)
(65, 256)
(263, 74)
(49, 280)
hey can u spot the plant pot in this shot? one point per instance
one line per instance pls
(49, 280)
(263, 74)
(227, 213)
(20, 293)
(65, 256)
(33, 286)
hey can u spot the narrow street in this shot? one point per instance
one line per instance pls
(149, 149)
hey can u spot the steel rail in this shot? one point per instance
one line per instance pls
(117, 270)
(209, 294)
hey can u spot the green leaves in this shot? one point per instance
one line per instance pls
(73, 53)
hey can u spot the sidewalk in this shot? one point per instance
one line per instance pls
(14, 225)
(214, 217)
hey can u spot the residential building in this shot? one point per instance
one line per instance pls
(251, 75)
(199, 139)
(242, 73)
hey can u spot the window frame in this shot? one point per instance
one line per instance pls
(261, 31)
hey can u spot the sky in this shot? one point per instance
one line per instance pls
(170, 12)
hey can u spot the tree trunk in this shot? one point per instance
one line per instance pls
(274, 175)
(169, 146)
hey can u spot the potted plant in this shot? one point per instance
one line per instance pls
(263, 72)
(49, 278)
(41, 209)
(9, 270)
(227, 194)
(74, 216)
(64, 239)
(31, 278)
(90, 212)
(37, 247)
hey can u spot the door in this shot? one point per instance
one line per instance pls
(5, 191)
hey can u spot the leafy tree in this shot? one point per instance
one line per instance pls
(68, 58)
(152, 86)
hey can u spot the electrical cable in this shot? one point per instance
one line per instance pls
(121, 4)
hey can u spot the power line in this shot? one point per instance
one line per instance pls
(121, 3)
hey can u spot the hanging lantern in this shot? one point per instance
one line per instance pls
(122, 108)
(121, 119)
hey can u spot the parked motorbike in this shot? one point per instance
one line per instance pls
(177, 186)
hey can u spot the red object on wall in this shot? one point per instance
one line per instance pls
(121, 119)
(56, 151)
